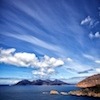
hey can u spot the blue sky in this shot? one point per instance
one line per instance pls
(49, 39)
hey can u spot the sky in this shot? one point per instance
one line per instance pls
(49, 39)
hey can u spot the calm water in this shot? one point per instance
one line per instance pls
(35, 93)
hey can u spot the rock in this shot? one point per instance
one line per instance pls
(54, 92)
(90, 81)
(63, 93)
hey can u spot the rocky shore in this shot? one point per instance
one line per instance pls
(84, 92)
(89, 87)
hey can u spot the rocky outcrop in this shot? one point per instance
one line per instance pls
(90, 81)
(90, 87)
(54, 92)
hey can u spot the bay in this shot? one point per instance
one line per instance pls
(36, 93)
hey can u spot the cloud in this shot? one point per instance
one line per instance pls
(97, 61)
(87, 20)
(98, 70)
(86, 71)
(94, 59)
(88, 56)
(95, 35)
(77, 67)
(45, 65)
(35, 41)
(44, 72)
(90, 22)
(7, 51)
(69, 60)
(75, 79)
(9, 81)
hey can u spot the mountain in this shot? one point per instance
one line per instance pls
(41, 82)
(89, 87)
(23, 82)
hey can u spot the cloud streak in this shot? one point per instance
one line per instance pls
(88, 56)
(94, 59)
(35, 41)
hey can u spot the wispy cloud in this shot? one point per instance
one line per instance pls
(35, 41)
(90, 22)
(86, 71)
(77, 67)
(93, 58)
(88, 56)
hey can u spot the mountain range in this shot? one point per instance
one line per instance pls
(41, 82)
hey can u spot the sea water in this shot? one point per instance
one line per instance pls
(39, 93)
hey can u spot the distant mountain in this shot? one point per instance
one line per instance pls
(41, 82)
(24, 82)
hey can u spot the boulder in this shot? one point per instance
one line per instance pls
(63, 93)
(54, 92)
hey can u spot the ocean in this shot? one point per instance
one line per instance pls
(36, 93)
